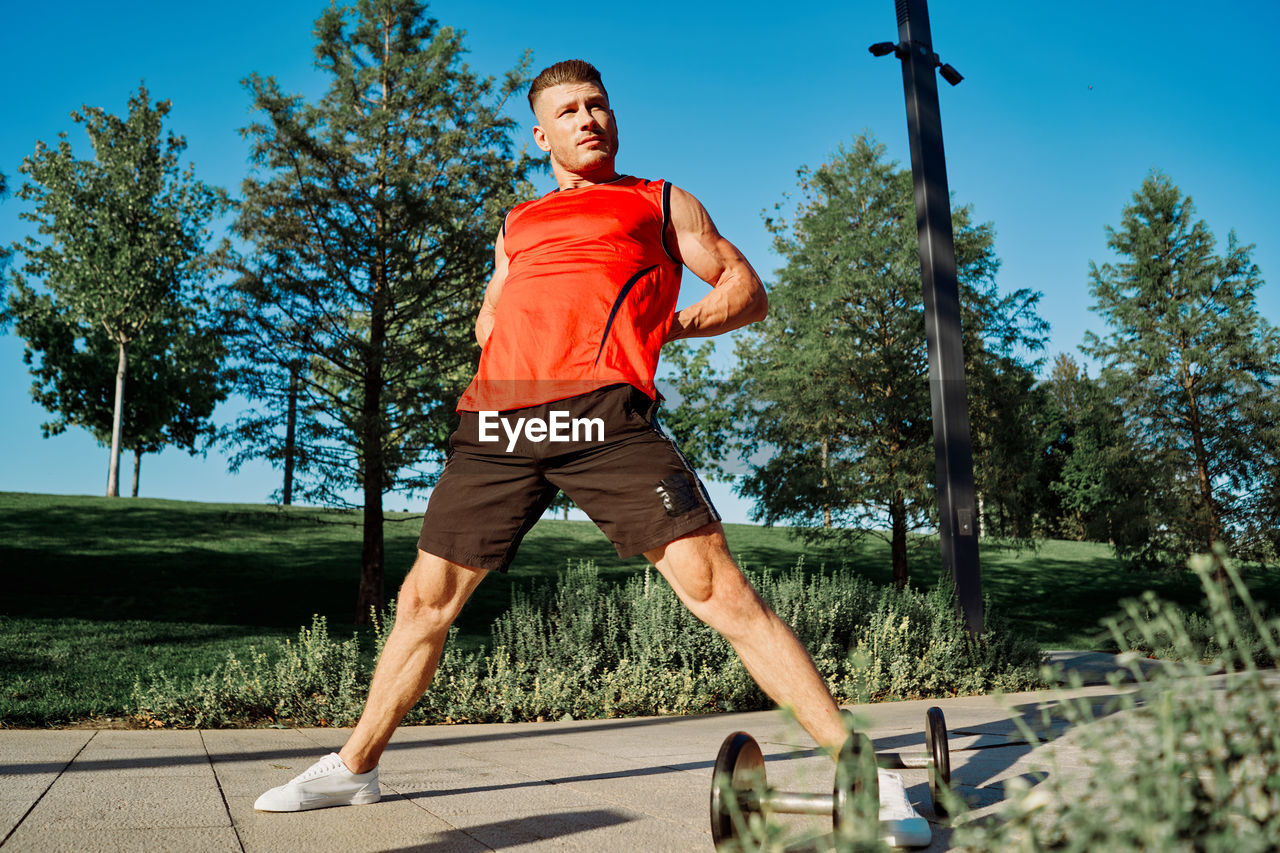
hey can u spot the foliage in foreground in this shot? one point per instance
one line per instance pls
(1191, 763)
(586, 648)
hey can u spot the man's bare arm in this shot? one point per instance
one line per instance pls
(489, 308)
(737, 296)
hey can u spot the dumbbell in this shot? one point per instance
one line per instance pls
(741, 764)
(938, 759)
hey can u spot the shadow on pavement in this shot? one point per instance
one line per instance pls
(523, 830)
(313, 751)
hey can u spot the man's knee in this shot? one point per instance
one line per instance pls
(733, 607)
(715, 590)
(433, 593)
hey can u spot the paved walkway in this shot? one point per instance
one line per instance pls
(597, 785)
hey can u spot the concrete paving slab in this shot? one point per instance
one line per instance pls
(394, 823)
(44, 840)
(249, 761)
(29, 751)
(29, 765)
(123, 755)
(90, 801)
(14, 809)
(490, 793)
(427, 753)
(260, 748)
(172, 739)
(582, 829)
(28, 788)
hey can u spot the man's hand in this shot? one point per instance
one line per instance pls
(737, 296)
(489, 308)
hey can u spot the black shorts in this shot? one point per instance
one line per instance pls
(605, 449)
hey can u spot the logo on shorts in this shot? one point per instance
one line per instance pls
(560, 427)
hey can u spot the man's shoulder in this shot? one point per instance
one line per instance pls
(656, 186)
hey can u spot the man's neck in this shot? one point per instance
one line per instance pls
(567, 180)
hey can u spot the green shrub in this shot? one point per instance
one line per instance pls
(314, 681)
(915, 645)
(1201, 643)
(1188, 761)
(585, 648)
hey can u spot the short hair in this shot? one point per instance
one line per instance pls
(568, 71)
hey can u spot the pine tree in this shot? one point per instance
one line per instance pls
(124, 234)
(372, 216)
(1099, 488)
(835, 380)
(1194, 366)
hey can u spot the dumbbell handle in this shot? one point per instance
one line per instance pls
(793, 802)
(901, 760)
(785, 801)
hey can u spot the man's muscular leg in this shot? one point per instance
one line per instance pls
(432, 594)
(705, 577)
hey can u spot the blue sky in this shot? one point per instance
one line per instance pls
(1064, 109)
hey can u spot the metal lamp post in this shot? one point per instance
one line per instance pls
(957, 516)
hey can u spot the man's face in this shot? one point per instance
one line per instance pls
(577, 127)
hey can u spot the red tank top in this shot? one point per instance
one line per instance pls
(589, 296)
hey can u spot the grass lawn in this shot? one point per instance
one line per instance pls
(98, 590)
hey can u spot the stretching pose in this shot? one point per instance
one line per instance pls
(582, 298)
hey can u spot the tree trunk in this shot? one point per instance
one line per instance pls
(898, 542)
(1213, 529)
(290, 433)
(137, 469)
(372, 558)
(117, 421)
(826, 507)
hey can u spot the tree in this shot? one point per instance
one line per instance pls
(563, 503)
(124, 234)
(694, 412)
(1194, 367)
(176, 376)
(371, 218)
(1062, 404)
(1007, 414)
(835, 379)
(1098, 486)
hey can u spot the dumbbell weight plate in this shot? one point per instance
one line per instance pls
(848, 781)
(741, 762)
(935, 733)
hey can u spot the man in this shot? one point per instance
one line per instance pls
(581, 300)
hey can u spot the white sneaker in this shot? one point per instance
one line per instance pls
(900, 824)
(326, 783)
